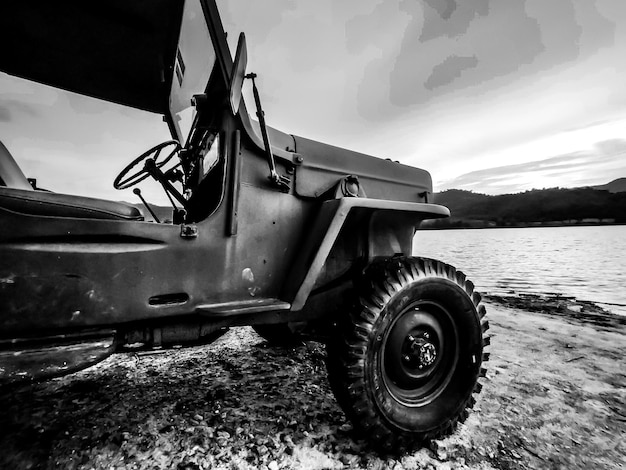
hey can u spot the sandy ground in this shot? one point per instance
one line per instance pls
(555, 397)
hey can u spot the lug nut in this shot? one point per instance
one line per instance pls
(426, 335)
(406, 358)
(411, 338)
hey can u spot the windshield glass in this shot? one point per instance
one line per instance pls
(195, 58)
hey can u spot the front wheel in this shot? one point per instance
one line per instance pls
(406, 360)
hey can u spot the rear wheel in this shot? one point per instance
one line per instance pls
(405, 363)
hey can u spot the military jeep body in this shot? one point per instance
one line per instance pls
(297, 238)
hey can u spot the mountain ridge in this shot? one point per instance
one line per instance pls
(598, 205)
(616, 186)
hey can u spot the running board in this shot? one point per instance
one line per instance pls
(31, 359)
(242, 307)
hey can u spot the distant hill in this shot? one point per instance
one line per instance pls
(531, 208)
(615, 186)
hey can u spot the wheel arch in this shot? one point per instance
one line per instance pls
(348, 229)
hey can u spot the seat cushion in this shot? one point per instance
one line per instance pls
(65, 205)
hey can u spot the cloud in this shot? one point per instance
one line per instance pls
(376, 36)
(611, 148)
(441, 46)
(499, 40)
(439, 21)
(444, 8)
(444, 46)
(449, 70)
(312, 55)
(260, 17)
(604, 162)
(10, 109)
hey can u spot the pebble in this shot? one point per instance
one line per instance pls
(273, 465)
(348, 459)
(345, 428)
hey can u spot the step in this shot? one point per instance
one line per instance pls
(226, 309)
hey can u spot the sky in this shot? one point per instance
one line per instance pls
(493, 96)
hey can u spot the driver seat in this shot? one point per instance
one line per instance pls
(43, 203)
(17, 195)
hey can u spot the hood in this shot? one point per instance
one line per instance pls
(324, 165)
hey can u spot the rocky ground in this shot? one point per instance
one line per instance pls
(555, 397)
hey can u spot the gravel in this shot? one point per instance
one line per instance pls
(241, 404)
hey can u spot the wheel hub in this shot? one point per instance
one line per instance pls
(419, 351)
(427, 354)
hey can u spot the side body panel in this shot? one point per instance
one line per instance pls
(69, 273)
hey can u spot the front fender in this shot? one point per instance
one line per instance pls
(350, 228)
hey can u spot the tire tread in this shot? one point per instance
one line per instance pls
(347, 349)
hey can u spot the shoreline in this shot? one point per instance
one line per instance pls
(567, 307)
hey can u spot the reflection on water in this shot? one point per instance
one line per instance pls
(583, 262)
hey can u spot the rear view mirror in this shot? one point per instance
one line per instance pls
(238, 72)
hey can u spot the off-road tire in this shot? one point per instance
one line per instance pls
(278, 334)
(405, 362)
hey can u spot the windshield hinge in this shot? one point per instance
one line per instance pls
(280, 181)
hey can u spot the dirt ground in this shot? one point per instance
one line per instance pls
(554, 397)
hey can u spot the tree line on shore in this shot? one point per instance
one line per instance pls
(551, 207)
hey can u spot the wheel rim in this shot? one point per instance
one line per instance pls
(419, 353)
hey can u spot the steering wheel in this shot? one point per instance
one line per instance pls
(124, 181)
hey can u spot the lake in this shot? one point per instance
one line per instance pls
(588, 263)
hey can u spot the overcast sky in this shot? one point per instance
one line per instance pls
(495, 96)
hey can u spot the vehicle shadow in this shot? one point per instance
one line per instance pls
(252, 401)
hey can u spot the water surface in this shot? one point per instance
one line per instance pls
(588, 263)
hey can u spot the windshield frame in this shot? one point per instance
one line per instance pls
(192, 69)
